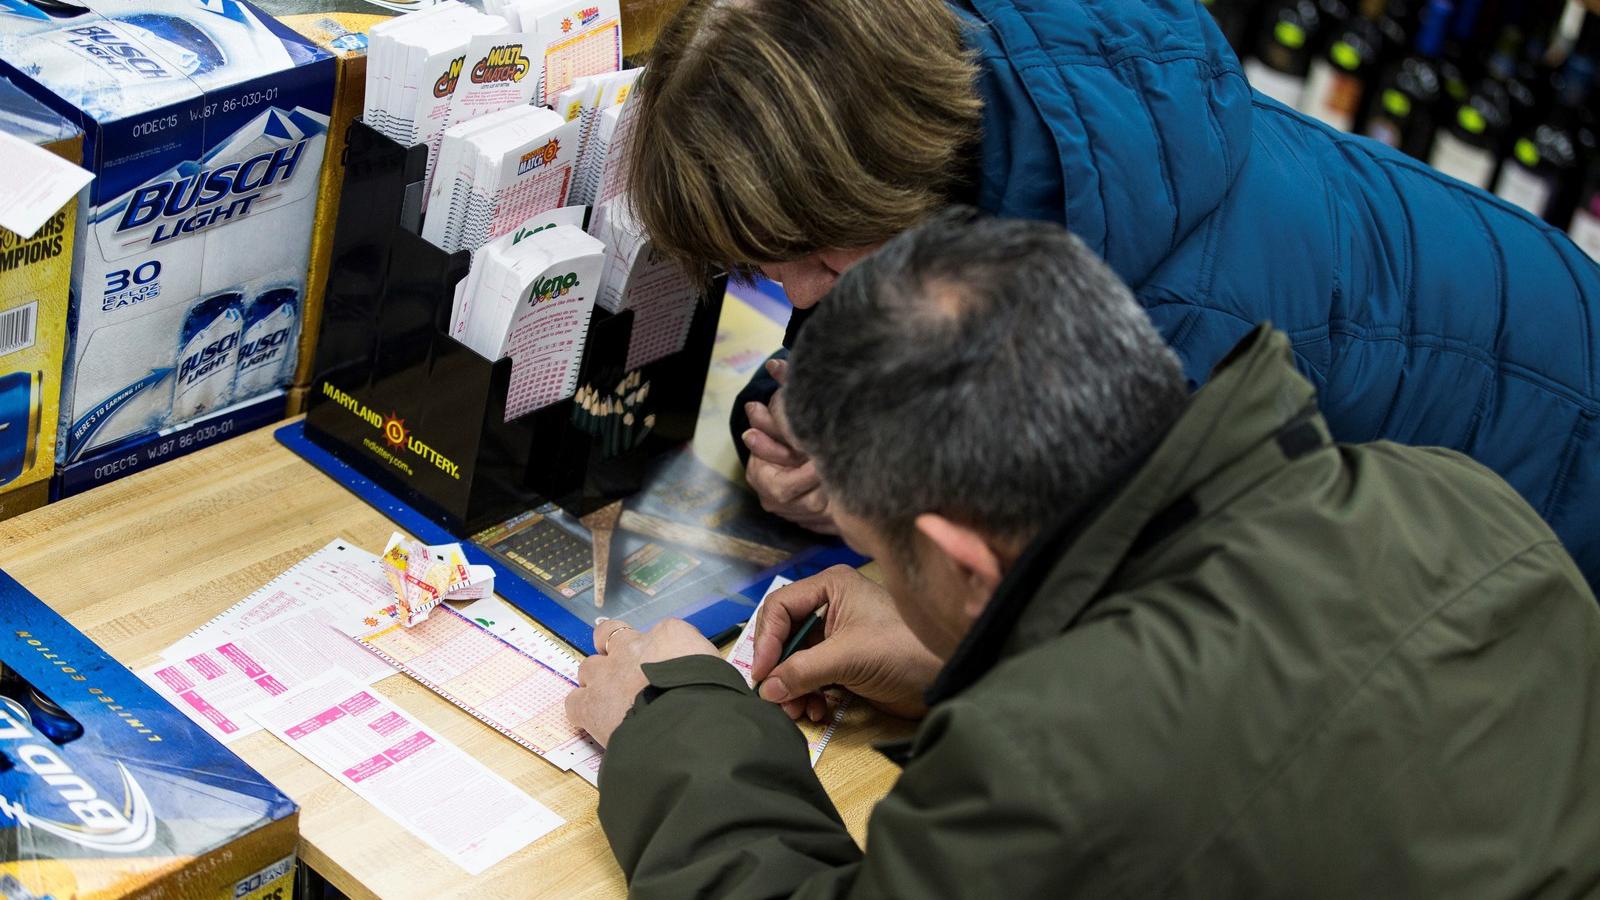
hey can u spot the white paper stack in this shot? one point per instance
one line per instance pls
(275, 640)
(608, 157)
(498, 171)
(570, 38)
(531, 296)
(499, 71)
(461, 310)
(584, 102)
(414, 64)
(661, 294)
(446, 209)
(522, 171)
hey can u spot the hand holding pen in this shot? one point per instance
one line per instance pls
(862, 645)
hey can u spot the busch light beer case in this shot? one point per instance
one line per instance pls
(206, 124)
(106, 790)
(35, 274)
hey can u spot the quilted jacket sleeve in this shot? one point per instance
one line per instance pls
(706, 792)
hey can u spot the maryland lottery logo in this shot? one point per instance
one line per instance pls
(399, 441)
(394, 431)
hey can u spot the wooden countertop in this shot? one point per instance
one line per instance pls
(139, 563)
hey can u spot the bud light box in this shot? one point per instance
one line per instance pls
(107, 791)
(205, 124)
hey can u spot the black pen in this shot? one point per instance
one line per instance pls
(800, 634)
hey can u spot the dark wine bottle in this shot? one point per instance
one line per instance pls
(1404, 112)
(1475, 138)
(1237, 19)
(1339, 74)
(1585, 227)
(1458, 64)
(1332, 15)
(1284, 49)
(1549, 160)
(1527, 82)
(1397, 26)
(1470, 144)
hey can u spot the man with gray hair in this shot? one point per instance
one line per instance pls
(1160, 644)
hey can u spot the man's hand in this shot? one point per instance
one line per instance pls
(866, 647)
(609, 680)
(782, 475)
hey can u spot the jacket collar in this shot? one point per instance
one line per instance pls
(1254, 415)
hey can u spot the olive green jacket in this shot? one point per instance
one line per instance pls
(1265, 666)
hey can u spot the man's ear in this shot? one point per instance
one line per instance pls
(979, 562)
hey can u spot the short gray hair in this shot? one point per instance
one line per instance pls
(995, 372)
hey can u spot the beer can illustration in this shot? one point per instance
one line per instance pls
(47, 717)
(208, 348)
(21, 395)
(266, 351)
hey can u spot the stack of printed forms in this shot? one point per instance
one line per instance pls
(571, 39)
(496, 172)
(584, 102)
(607, 157)
(413, 64)
(659, 292)
(529, 296)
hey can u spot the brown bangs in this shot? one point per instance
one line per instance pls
(771, 129)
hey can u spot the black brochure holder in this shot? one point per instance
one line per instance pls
(403, 403)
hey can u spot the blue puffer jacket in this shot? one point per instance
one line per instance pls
(1425, 311)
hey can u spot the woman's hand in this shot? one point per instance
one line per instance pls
(782, 475)
(610, 680)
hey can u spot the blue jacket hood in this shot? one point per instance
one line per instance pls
(1128, 122)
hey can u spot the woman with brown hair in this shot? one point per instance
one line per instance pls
(795, 136)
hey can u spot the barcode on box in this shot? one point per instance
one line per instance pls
(18, 327)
